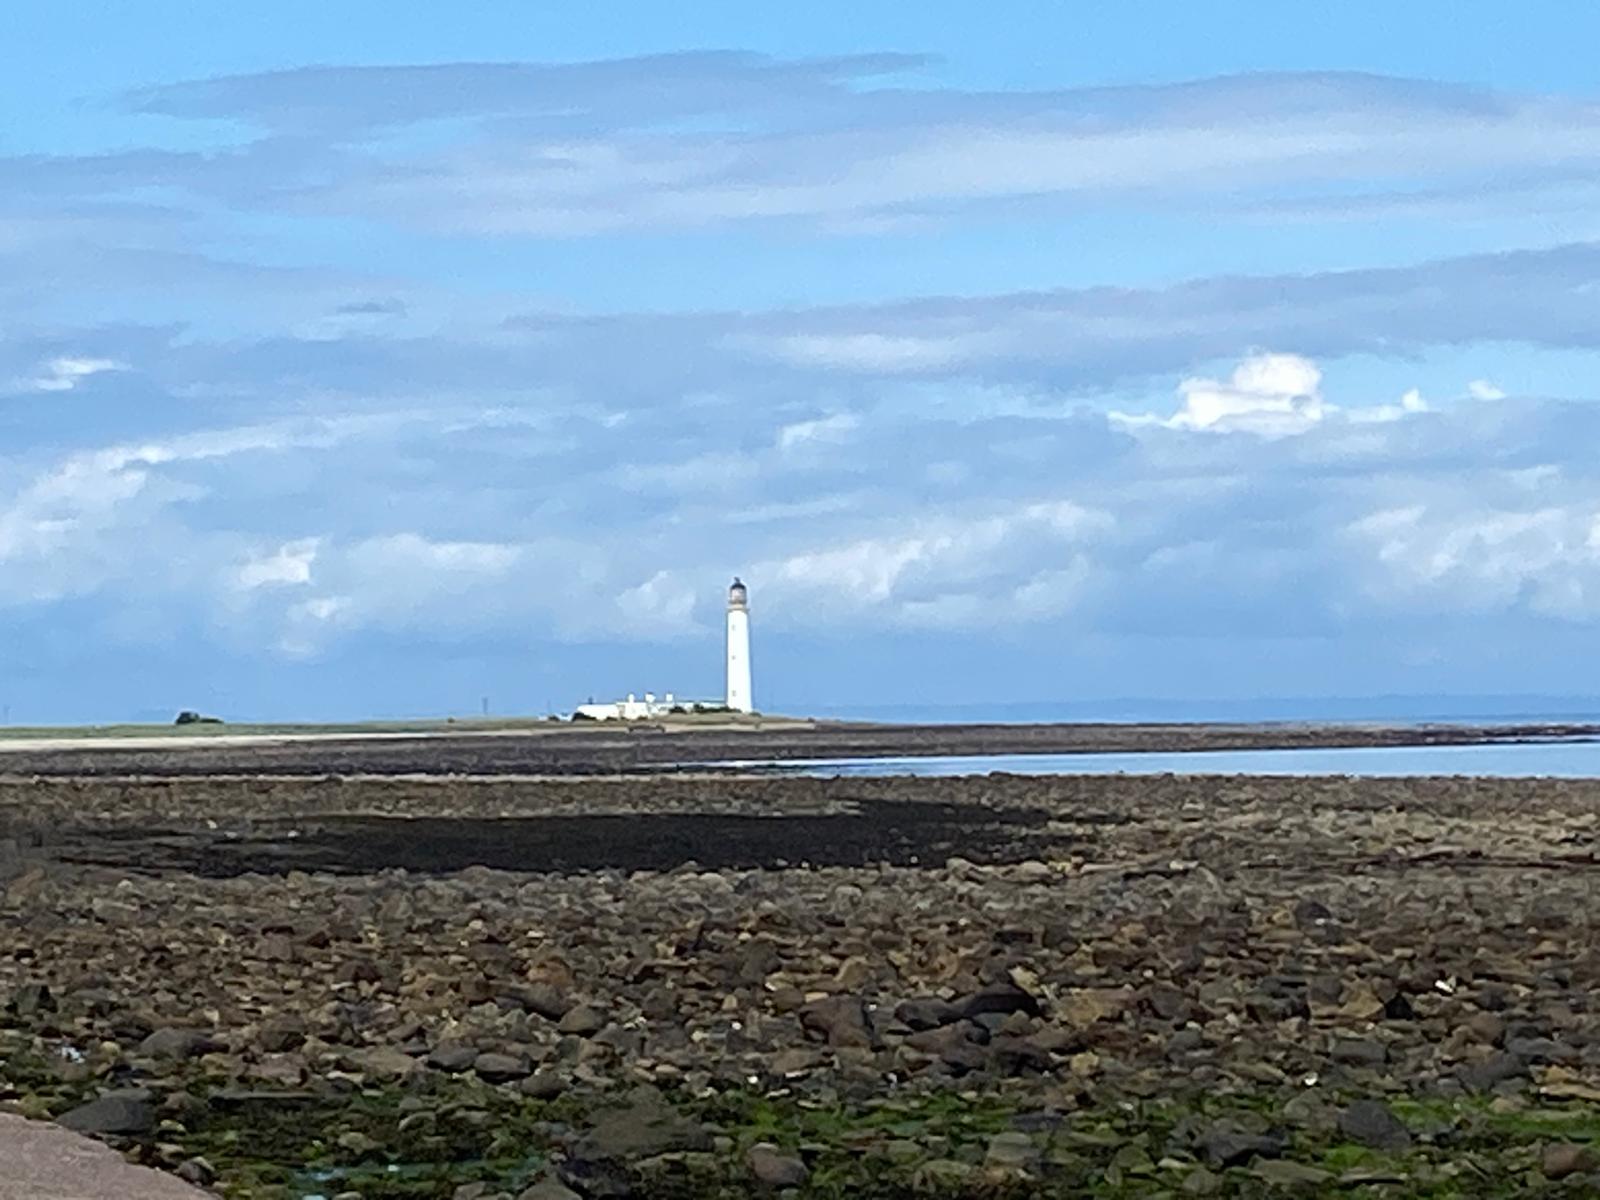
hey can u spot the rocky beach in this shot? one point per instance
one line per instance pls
(702, 986)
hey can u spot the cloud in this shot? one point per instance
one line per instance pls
(875, 353)
(1096, 336)
(302, 538)
(1470, 557)
(66, 373)
(1482, 389)
(565, 97)
(107, 515)
(705, 139)
(1269, 395)
(288, 565)
(1015, 564)
(390, 307)
(831, 429)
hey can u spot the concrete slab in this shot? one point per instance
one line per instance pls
(39, 1161)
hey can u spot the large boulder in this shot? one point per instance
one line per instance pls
(47, 1162)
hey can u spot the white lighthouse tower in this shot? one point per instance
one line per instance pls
(739, 648)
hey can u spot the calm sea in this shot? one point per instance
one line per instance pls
(1561, 760)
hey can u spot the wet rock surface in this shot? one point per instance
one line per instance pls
(993, 986)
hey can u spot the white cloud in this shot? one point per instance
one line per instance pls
(830, 429)
(1482, 389)
(841, 156)
(703, 474)
(66, 373)
(1410, 404)
(308, 624)
(1270, 396)
(944, 572)
(663, 606)
(411, 555)
(288, 565)
(1459, 555)
(92, 515)
(877, 352)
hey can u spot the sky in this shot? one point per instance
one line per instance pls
(358, 360)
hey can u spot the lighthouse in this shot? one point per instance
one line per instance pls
(739, 648)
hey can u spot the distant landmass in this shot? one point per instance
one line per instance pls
(1390, 709)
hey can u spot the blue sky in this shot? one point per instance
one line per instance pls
(359, 362)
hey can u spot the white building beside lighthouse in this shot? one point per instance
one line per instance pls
(739, 698)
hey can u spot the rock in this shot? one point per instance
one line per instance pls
(1486, 1027)
(582, 1021)
(287, 1070)
(1560, 1159)
(1281, 1172)
(1017, 1055)
(114, 912)
(1185, 1041)
(1370, 1123)
(546, 1000)
(1360, 1003)
(1225, 1145)
(281, 1034)
(177, 1043)
(500, 1068)
(1168, 1003)
(1201, 1182)
(1540, 1050)
(953, 1045)
(1311, 912)
(548, 1189)
(357, 970)
(774, 1169)
(1002, 998)
(31, 999)
(1082, 1007)
(1494, 1070)
(116, 1113)
(385, 1062)
(354, 1142)
(46, 1162)
(942, 1175)
(543, 1085)
(13, 861)
(927, 1012)
(841, 1021)
(1311, 1112)
(453, 1057)
(646, 1127)
(197, 1171)
(1360, 1052)
(1033, 871)
(1013, 1151)
(790, 1064)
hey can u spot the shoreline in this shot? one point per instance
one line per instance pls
(655, 746)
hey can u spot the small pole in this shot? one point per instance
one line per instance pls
(486, 706)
